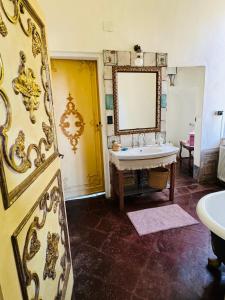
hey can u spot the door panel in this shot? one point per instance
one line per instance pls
(27, 133)
(33, 234)
(45, 234)
(78, 125)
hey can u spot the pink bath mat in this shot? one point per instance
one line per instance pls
(161, 218)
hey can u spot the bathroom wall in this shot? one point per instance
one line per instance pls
(191, 32)
(184, 106)
(126, 58)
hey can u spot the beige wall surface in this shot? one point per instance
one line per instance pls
(192, 32)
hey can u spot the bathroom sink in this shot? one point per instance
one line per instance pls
(147, 152)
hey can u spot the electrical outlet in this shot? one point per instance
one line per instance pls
(219, 112)
(108, 26)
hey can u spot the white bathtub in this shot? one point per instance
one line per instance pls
(211, 211)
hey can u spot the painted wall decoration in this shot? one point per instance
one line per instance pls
(53, 268)
(72, 123)
(27, 134)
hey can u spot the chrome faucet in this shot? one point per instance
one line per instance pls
(141, 136)
(132, 141)
(159, 139)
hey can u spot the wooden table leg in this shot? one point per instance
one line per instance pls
(113, 182)
(121, 189)
(180, 153)
(189, 162)
(172, 180)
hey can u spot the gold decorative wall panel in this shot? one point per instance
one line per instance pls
(27, 134)
(41, 246)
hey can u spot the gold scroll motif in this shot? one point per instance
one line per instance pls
(52, 255)
(3, 28)
(35, 244)
(66, 126)
(31, 27)
(36, 41)
(15, 17)
(26, 85)
(51, 200)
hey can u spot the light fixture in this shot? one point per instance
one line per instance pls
(139, 56)
(172, 72)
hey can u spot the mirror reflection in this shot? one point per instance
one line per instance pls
(136, 99)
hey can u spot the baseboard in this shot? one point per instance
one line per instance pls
(207, 172)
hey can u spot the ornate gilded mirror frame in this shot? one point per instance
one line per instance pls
(129, 69)
(27, 136)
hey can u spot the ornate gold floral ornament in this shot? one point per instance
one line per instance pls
(26, 85)
(51, 200)
(52, 255)
(36, 41)
(35, 244)
(32, 31)
(3, 28)
(66, 126)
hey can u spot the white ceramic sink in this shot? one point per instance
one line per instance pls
(147, 152)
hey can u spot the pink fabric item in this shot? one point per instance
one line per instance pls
(160, 218)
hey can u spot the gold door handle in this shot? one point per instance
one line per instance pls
(61, 155)
(99, 125)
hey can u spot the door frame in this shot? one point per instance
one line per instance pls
(98, 57)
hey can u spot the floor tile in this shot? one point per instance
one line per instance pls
(111, 261)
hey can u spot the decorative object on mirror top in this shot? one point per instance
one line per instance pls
(139, 56)
(161, 59)
(125, 58)
(110, 57)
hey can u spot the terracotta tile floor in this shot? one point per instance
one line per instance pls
(110, 261)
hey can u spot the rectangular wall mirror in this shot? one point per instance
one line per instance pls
(136, 94)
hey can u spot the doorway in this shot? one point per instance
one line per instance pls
(78, 125)
(184, 115)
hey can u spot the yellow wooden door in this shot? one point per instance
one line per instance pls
(34, 246)
(78, 126)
